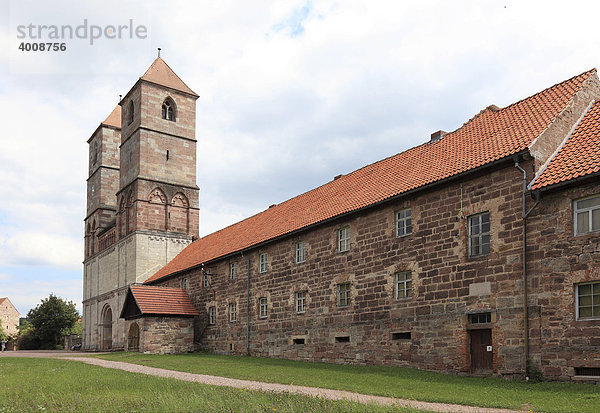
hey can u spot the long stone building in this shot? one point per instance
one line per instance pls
(475, 252)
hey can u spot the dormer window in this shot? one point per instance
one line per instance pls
(168, 110)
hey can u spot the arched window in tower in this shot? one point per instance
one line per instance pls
(157, 210)
(130, 112)
(168, 109)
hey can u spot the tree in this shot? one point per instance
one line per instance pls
(51, 319)
(3, 335)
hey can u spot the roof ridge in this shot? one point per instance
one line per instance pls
(588, 73)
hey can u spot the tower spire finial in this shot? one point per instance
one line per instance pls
(120, 98)
(159, 52)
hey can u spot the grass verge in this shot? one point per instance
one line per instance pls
(384, 381)
(44, 385)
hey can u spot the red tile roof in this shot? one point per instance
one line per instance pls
(163, 300)
(160, 73)
(114, 119)
(491, 135)
(578, 157)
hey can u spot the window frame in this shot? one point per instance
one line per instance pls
(184, 283)
(300, 302)
(343, 237)
(406, 222)
(232, 271)
(343, 294)
(263, 264)
(480, 236)
(169, 112)
(232, 312)
(593, 306)
(205, 280)
(299, 252)
(263, 305)
(406, 285)
(589, 211)
(212, 315)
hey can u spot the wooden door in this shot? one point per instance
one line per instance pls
(481, 350)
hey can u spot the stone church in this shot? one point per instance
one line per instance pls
(475, 252)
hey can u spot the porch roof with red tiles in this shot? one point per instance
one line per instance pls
(491, 135)
(578, 157)
(162, 300)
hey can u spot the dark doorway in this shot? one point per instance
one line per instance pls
(481, 350)
(133, 338)
(107, 329)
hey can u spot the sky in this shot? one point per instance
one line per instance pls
(292, 93)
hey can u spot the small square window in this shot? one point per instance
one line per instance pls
(343, 235)
(588, 300)
(212, 315)
(262, 307)
(301, 302)
(232, 271)
(343, 293)
(479, 234)
(587, 215)
(402, 284)
(480, 318)
(403, 222)
(300, 252)
(262, 262)
(232, 311)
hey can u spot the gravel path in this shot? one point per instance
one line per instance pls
(282, 388)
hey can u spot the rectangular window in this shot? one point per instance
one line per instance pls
(480, 318)
(298, 341)
(184, 284)
(587, 215)
(403, 284)
(342, 339)
(205, 280)
(232, 311)
(301, 301)
(403, 223)
(343, 293)
(479, 234)
(212, 315)
(588, 300)
(300, 252)
(262, 262)
(405, 335)
(343, 235)
(262, 307)
(232, 271)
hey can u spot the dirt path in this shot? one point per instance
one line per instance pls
(280, 388)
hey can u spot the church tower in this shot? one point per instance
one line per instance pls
(142, 197)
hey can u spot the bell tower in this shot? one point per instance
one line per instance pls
(157, 187)
(142, 197)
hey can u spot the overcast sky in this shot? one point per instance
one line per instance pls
(292, 93)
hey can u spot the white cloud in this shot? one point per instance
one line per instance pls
(291, 94)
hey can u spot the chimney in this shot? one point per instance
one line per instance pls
(436, 136)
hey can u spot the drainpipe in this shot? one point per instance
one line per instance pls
(248, 308)
(525, 214)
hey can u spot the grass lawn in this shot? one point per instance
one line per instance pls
(44, 385)
(384, 381)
